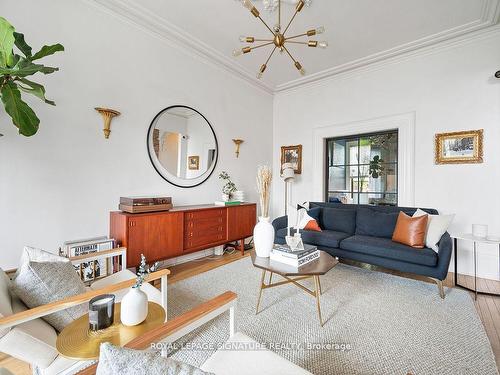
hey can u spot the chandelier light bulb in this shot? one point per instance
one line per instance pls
(302, 71)
(247, 4)
(259, 75)
(323, 44)
(237, 52)
(243, 38)
(320, 30)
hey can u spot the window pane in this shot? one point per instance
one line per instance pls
(346, 198)
(336, 152)
(378, 199)
(343, 178)
(385, 146)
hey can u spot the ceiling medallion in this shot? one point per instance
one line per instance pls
(279, 37)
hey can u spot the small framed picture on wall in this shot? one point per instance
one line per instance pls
(293, 155)
(459, 147)
(193, 163)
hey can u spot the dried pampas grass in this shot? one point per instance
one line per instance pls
(264, 178)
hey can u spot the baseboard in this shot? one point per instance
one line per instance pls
(187, 258)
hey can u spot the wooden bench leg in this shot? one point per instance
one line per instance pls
(242, 246)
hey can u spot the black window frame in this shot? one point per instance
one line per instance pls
(358, 137)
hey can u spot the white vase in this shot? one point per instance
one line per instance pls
(225, 197)
(134, 307)
(263, 237)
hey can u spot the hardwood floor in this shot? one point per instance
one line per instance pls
(488, 307)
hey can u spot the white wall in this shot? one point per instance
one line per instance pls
(448, 89)
(62, 183)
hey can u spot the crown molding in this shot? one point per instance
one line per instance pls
(148, 21)
(137, 15)
(490, 15)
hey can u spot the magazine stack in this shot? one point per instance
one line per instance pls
(295, 258)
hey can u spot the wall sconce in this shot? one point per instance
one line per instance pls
(107, 115)
(238, 142)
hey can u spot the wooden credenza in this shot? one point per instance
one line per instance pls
(182, 230)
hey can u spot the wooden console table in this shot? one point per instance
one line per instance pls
(182, 230)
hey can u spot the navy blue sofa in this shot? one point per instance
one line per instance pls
(363, 233)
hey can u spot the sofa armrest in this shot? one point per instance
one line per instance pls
(280, 223)
(445, 249)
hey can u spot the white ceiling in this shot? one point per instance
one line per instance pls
(355, 29)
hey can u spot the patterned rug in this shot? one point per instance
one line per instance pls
(376, 323)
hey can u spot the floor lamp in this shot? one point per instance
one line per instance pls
(288, 175)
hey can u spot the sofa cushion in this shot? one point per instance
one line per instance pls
(326, 238)
(338, 219)
(384, 247)
(375, 223)
(114, 360)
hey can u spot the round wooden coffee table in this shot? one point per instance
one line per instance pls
(312, 270)
(78, 342)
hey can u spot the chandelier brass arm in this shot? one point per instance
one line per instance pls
(279, 37)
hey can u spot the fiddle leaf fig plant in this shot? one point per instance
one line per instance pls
(14, 68)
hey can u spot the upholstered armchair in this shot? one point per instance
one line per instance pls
(27, 337)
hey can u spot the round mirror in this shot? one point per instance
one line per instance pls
(182, 146)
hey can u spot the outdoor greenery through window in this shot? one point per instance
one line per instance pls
(363, 169)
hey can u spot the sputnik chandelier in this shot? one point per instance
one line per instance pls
(279, 38)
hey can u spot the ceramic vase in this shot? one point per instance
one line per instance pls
(225, 197)
(263, 237)
(134, 307)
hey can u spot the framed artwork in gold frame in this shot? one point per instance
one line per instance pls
(292, 154)
(193, 163)
(459, 147)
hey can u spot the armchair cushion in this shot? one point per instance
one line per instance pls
(32, 342)
(114, 360)
(249, 362)
(5, 299)
(41, 282)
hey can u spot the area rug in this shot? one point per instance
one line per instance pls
(376, 323)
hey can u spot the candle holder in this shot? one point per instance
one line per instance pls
(101, 312)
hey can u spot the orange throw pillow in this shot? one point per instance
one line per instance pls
(411, 230)
(313, 225)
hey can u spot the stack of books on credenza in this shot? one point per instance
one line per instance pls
(295, 258)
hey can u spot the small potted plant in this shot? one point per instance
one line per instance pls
(229, 186)
(134, 305)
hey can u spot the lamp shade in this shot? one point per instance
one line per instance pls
(288, 172)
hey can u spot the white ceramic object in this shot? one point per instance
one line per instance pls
(225, 197)
(263, 237)
(238, 195)
(479, 230)
(134, 307)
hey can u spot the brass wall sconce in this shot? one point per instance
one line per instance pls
(238, 142)
(107, 115)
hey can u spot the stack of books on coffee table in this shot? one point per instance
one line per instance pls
(284, 254)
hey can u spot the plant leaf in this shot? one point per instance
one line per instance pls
(6, 43)
(27, 68)
(47, 51)
(22, 45)
(22, 115)
(34, 89)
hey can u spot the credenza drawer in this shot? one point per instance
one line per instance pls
(194, 239)
(205, 214)
(200, 224)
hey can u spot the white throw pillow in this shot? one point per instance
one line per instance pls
(437, 225)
